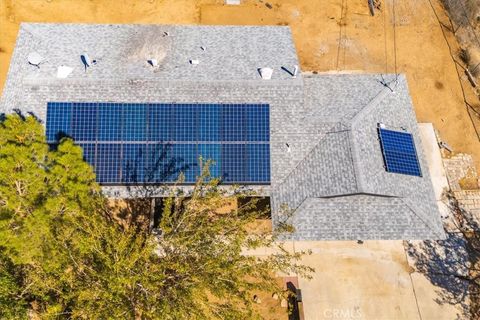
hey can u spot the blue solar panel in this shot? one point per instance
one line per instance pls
(84, 121)
(134, 157)
(59, 120)
(185, 119)
(233, 162)
(233, 123)
(212, 152)
(134, 122)
(399, 152)
(258, 162)
(258, 126)
(160, 122)
(209, 122)
(108, 163)
(89, 151)
(186, 160)
(110, 122)
(129, 143)
(160, 165)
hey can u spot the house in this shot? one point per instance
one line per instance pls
(342, 150)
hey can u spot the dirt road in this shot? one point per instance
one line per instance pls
(330, 35)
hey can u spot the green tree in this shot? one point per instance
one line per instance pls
(63, 254)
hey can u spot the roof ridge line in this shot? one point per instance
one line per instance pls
(421, 219)
(355, 160)
(359, 194)
(253, 82)
(309, 152)
(372, 103)
(345, 196)
(359, 179)
(275, 189)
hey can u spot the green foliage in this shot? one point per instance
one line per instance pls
(63, 254)
(13, 306)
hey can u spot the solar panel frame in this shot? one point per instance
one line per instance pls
(235, 136)
(399, 152)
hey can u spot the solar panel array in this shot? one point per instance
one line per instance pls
(129, 143)
(399, 152)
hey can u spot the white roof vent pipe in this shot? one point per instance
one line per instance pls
(194, 61)
(34, 58)
(265, 73)
(63, 72)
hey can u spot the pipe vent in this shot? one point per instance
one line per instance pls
(265, 73)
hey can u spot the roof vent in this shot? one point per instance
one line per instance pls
(265, 73)
(86, 60)
(34, 58)
(153, 62)
(292, 73)
(194, 61)
(63, 72)
(203, 48)
(166, 34)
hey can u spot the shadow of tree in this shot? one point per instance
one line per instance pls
(146, 180)
(453, 264)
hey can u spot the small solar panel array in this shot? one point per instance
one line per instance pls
(129, 143)
(399, 152)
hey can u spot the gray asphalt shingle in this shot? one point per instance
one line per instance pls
(334, 173)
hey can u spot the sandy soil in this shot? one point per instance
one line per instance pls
(329, 35)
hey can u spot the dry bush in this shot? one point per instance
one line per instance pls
(471, 57)
(474, 64)
(464, 55)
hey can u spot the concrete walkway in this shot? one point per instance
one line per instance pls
(374, 280)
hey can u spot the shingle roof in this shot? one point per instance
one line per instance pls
(346, 164)
(334, 173)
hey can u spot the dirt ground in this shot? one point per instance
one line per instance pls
(330, 35)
